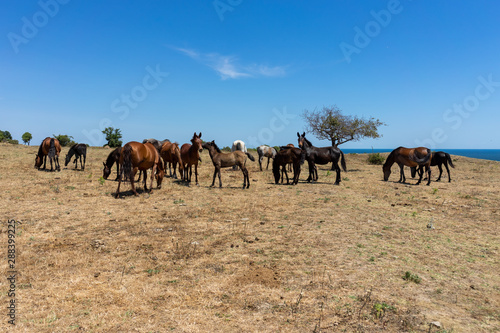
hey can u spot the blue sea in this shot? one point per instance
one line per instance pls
(485, 154)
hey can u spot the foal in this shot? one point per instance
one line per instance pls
(224, 160)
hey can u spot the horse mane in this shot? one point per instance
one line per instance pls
(391, 156)
(109, 159)
(216, 147)
(40, 149)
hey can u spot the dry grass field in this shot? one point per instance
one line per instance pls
(358, 257)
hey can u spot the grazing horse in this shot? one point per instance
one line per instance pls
(412, 157)
(286, 156)
(224, 160)
(137, 156)
(113, 157)
(78, 150)
(238, 145)
(171, 154)
(49, 147)
(265, 151)
(190, 154)
(438, 158)
(324, 155)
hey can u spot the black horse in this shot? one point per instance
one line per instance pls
(324, 155)
(113, 157)
(287, 156)
(79, 150)
(438, 158)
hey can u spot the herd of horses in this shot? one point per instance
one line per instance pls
(157, 155)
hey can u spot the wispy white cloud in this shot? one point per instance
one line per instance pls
(228, 67)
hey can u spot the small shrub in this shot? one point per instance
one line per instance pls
(412, 277)
(376, 158)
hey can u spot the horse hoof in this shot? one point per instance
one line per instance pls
(336, 183)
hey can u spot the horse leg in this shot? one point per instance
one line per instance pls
(421, 175)
(44, 161)
(132, 176)
(175, 167)
(117, 171)
(311, 171)
(153, 173)
(267, 167)
(260, 162)
(315, 173)
(428, 169)
(440, 172)
(337, 168)
(196, 173)
(245, 175)
(119, 183)
(84, 161)
(218, 172)
(287, 179)
(447, 170)
(51, 168)
(215, 175)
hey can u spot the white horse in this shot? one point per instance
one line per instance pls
(238, 145)
(265, 151)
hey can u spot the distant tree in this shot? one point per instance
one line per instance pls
(331, 124)
(27, 138)
(5, 136)
(65, 140)
(113, 137)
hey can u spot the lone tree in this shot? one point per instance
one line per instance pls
(331, 124)
(27, 138)
(113, 137)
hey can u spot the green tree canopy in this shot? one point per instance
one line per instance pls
(27, 138)
(5, 136)
(330, 124)
(65, 140)
(113, 136)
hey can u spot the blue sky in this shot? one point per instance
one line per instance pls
(240, 69)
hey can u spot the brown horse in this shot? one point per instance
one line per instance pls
(286, 156)
(171, 154)
(137, 156)
(225, 160)
(52, 148)
(190, 154)
(412, 157)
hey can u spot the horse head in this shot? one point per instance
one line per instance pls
(38, 161)
(387, 171)
(196, 141)
(106, 171)
(301, 139)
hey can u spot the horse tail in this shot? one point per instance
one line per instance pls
(413, 171)
(423, 160)
(342, 161)
(52, 149)
(448, 157)
(250, 156)
(127, 161)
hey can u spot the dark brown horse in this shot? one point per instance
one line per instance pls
(79, 150)
(137, 156)
(438, 158)
(113, 157)
(190, 154)
(49, 147)
(225, 160)
(323, 155)
(171, 154)
(287, 156)
(412, 157)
